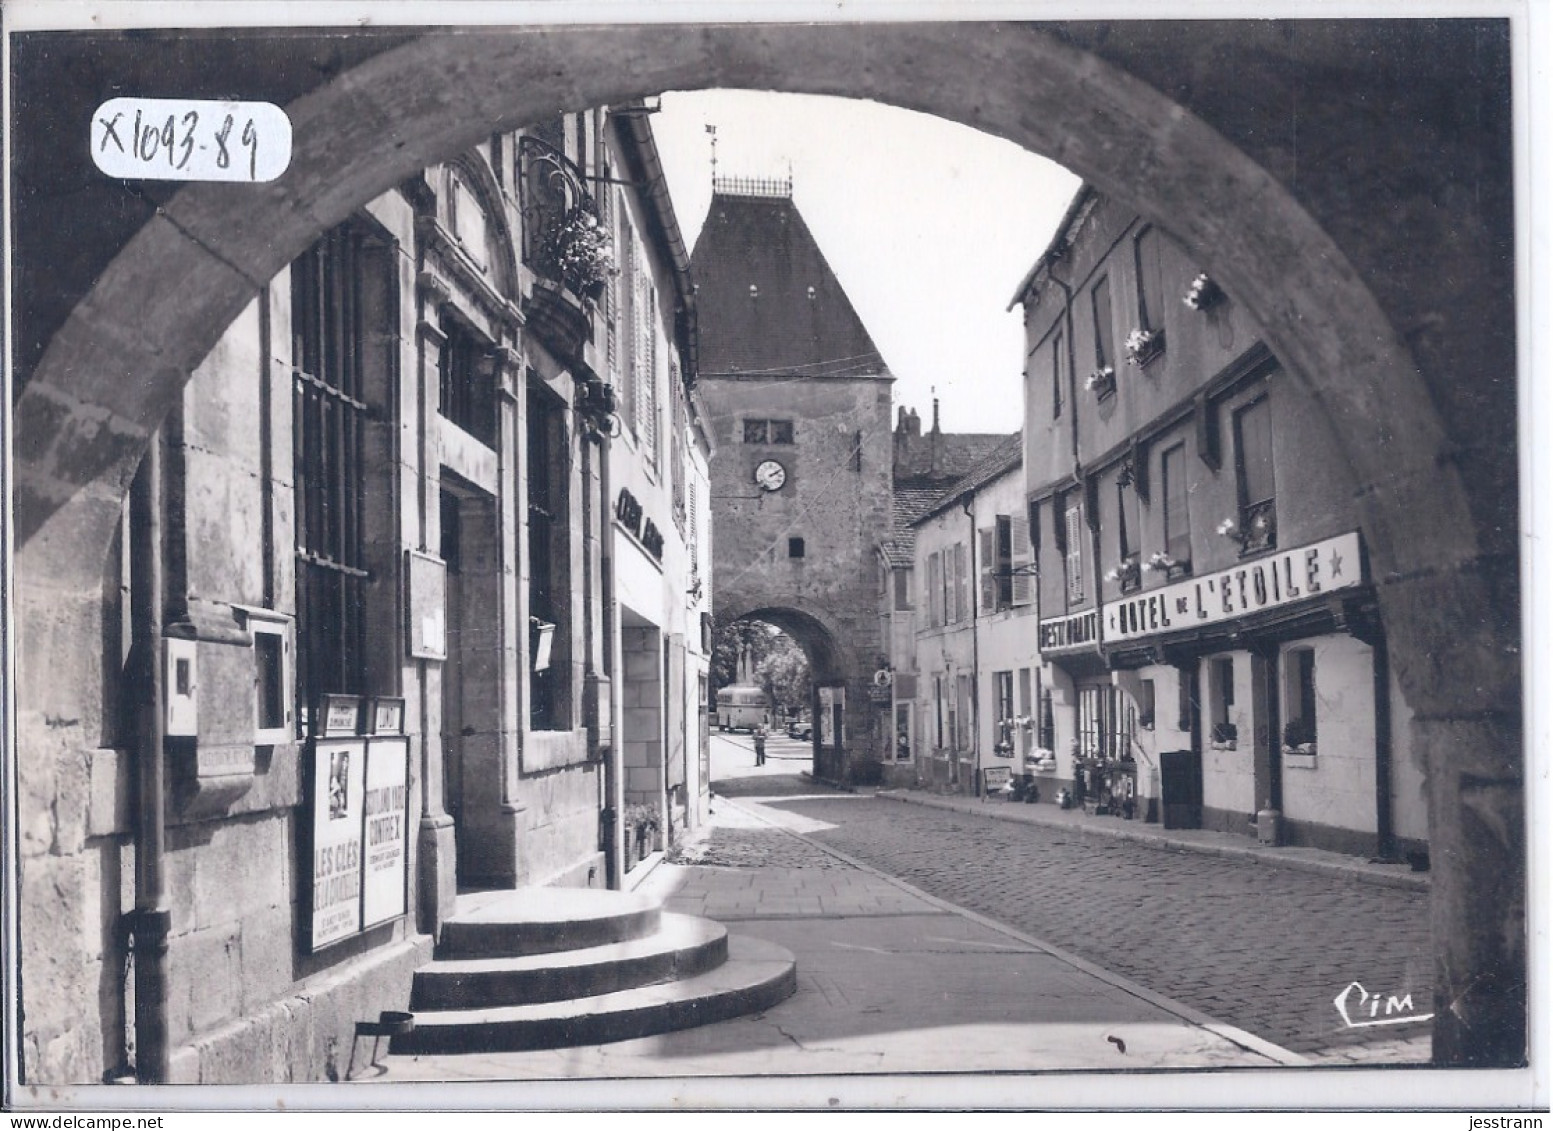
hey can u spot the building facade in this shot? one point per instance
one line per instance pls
(410, 598)
(974, 667)
(1210, 648)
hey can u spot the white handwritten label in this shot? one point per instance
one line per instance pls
(190, 139)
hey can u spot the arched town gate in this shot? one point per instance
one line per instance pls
(841, 668)
(1326, 216)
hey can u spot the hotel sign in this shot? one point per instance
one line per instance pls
(1077, 631)
(1280, 579)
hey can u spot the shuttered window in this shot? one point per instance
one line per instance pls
(1074, 552)
(987, 568)
(1020, 589)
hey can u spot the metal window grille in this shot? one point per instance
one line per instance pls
(330, 415)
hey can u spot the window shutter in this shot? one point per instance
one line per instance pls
(962, 583)
(1019, 538)
(987, 555)
(935, 594)
(1075, 554)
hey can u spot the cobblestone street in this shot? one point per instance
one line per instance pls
(1264, 948)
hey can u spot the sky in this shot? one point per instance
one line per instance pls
(929, 225)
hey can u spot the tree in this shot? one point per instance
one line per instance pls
(784, 674)
(776, 662)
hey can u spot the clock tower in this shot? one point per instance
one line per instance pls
(799, 402)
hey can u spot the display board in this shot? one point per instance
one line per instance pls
(338, 783)
(385, 811)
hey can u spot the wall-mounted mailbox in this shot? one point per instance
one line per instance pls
(180, 682)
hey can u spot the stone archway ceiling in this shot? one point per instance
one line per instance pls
(819, 644)
(110, 372)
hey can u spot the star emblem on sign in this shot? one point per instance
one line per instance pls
(1337, 564)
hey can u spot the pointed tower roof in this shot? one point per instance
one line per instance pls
(769, 303)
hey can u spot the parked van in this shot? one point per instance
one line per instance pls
(742, 708)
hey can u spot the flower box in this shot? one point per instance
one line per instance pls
(1203, 293)
(1102, 382)
(1143, 346)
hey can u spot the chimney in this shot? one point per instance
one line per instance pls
(935, 416)
(914, 423)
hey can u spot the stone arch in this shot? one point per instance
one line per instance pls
(1329, 242)
(812, 629)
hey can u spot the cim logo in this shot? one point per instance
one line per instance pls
(1361, 1009)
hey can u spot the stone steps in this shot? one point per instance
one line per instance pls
(544, 921)
(553, 967)
(682, 946)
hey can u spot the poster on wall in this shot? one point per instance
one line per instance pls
(339, 775)
(385, 809)
(827, 716)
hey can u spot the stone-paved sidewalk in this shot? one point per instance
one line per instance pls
(1355, 868)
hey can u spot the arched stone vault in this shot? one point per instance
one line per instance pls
(812, 630)
(1370, 232)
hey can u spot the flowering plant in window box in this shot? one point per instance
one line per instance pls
(1224, 736)
(1127, 573)
(1143, 346)
(1159, 561)
(1042, 759)
(1203, 293)
(1102, 382)
(580, 253)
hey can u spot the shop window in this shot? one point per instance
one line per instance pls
(1146, 704)
(947, 716)
(1004, 731)
(549, 552)
(963, 693)
(332, 332)
(1177, 529)
(1221, 701)
(1299, 700)
(467, 394)
(1026, 728)
(1258, 526)
(1046, 731)
(795, 547)
(1105, 724)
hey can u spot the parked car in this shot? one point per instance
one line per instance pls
(800, 728)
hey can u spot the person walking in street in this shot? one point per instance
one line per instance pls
(760, 744)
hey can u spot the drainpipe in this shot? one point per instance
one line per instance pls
(1385, 830)
(970, 516)
(151, 920)
(608, 619)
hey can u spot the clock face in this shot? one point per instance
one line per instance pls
(770, 475)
